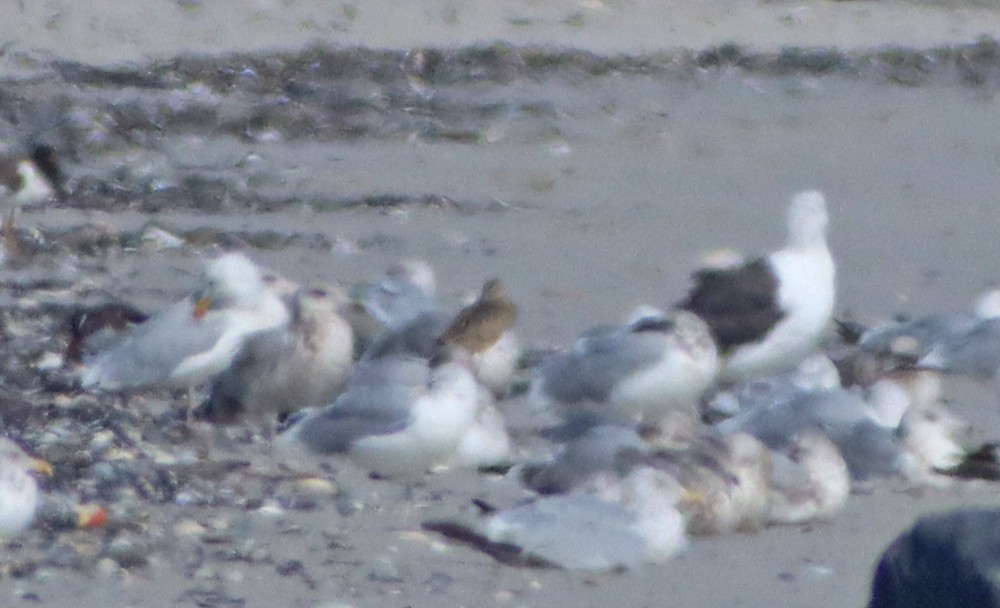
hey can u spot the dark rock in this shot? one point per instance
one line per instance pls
(945, 560)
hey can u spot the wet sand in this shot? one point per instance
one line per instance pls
(588, 184)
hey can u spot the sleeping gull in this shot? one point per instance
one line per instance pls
(910, 340)
(815, 372)
(18, 488)
(974, 353)
(399, 415)
(619, 523)
(730, 473)
(643, 370)
(299, 364)
(194, 339)
(486, 442)
(809, 480)
(867, 443)
(596, 451)
(770, 312)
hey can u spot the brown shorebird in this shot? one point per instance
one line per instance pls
(479, 325)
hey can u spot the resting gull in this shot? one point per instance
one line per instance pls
(616, 524)
(299, 364)
(910, 340)
(974, 353)
(809, 480)
(644, 370)
(770, 312)
(18, 488)
(194, 339)
(399, 415)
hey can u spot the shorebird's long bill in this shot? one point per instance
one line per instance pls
(201, 306)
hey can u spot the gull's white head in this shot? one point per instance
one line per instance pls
(807, 219)
(233, 280)
(415, 272)
(816, 372)
(988, 305)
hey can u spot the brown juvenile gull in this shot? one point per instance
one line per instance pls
(730, 473)
(484, 328)
(18, 488)
(26, 179)
(809, 480)
(770, 312)
(194, 339)
(299, 364)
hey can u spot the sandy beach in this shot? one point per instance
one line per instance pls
(586, 152)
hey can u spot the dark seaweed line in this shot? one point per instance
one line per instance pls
(259, 73)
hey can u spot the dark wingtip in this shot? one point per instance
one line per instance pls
(849, 331)
(47, 160)
(505, 553)
(981, 463)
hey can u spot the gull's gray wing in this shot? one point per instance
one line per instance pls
(355, 415)
(975, 353)
(257, 359)
(593, 452)
(417, 337)
(151, 352)
(573, 531)
(598, 362)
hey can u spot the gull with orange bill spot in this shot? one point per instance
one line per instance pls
(191, 341)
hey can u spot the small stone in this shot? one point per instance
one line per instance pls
(128, 553)
(189, 528)
(106, 567)
(385, 570)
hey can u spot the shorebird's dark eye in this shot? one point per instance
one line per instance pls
(318, 292)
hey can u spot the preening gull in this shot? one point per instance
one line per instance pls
(770, 312)
(643, 370)
(299, 364)
(399, 415)
(18, 488)
(620, 523)
(194, 339)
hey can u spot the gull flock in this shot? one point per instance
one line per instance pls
(724, 412)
